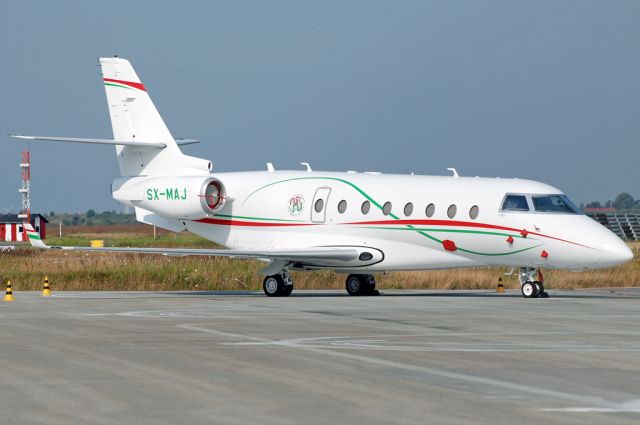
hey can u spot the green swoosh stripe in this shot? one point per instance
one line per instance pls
(423, 232)
(118, 85)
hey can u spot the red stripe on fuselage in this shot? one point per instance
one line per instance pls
(138, 86)
(456, 223)
(444, 223)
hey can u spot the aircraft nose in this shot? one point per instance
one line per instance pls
(615, 251)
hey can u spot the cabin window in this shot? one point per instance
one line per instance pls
(386, 208)
(366, 206)
(319, 205)
(20, 229)
(554, 203)
(452, 210)
(473, 212)
(515, 203)
(431, 210)
(408, 209)
(342, 206)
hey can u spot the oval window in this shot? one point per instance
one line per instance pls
(342, 206)
(386, 208)
(452, 210)
(408, 209)
(366, 206)
(319, 205)
(431, 209)
(473, 212)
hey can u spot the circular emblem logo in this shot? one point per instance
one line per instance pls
(296, 205)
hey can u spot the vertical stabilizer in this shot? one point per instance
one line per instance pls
(134, 117)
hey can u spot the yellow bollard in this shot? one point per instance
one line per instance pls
(46, 291)
(500, 289)
(9, 294)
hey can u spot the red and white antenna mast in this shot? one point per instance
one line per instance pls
(25, 189)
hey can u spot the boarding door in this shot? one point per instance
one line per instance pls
(319, 206)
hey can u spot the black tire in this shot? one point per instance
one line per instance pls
(528, 290)
(286, 290)
(273, 285)
(539, 289)
(370, 285)
(355, 284)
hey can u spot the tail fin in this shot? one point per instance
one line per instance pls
(34, 237)
(135, 117)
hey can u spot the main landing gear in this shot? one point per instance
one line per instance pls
(361, 284)
(281, 284)
(532, 283)
(278, 285)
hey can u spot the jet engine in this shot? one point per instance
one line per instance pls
(178, 197)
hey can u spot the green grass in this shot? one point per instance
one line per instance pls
(75, 270)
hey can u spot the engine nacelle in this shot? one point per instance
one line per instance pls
(178, 197)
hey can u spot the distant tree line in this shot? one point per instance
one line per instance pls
(91, 218)
(623, 201)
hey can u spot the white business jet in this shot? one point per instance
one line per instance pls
(359, 224)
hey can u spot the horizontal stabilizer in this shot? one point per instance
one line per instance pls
(138, 143)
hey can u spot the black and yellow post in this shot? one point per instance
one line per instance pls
(8, 296)
(500, 289)
(46, 290)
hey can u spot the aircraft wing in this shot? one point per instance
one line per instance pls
(307, 255)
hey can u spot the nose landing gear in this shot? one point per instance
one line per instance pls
(532, 283)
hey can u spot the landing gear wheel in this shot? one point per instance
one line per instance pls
(538, 289)
(370, 285)
(286, 291)
(361, 284)
(354, 284)
(528, 290)
(278, 285)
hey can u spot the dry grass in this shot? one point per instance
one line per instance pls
(99, 271)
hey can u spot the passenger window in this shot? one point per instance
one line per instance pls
(554, 203)
(408, 209)
(386, 208)
(342, 206)
(319, 205)
(366, 206)
(452, 210)
(430, 211)
(473, 212)
(515, 203)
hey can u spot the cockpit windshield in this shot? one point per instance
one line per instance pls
(515, 203)
(554, 204)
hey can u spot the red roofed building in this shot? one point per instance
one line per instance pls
(12, 228)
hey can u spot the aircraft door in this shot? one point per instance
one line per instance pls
(319, 206)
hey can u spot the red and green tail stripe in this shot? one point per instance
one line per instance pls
(123, 84)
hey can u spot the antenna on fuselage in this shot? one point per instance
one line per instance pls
(306, 164)
(453, 170)
(270, 167)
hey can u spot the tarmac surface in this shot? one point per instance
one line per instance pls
(321, 357)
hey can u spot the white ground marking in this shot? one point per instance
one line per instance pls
(510, 386)
(632, 406)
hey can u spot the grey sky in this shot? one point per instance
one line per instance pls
(546, 90)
